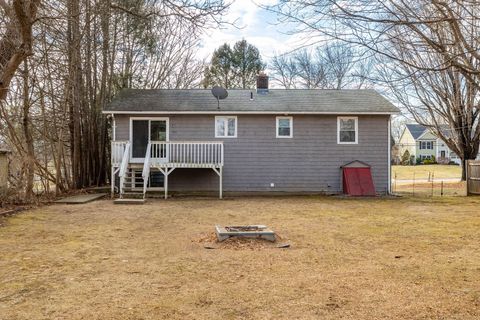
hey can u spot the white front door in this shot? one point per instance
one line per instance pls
(144, 130)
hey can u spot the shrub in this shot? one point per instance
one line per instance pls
(406, 158)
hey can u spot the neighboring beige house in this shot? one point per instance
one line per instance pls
(422, 144)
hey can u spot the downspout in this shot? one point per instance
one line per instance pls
(112, 169)
(389, 191)
(114, 127)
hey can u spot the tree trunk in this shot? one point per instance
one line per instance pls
(27, 131)
(467, 155)
(75, 97)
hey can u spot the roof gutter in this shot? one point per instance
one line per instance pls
(253, 112)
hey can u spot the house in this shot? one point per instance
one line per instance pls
(423, 144)
(252, 141)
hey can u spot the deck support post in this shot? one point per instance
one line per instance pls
(221, 183)
(219, 171)
(166, 171)
(166, 182)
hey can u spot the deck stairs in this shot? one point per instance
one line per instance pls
(131, 187)
(160, 157)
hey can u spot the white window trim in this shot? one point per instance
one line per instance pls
(226, 128)
(277, 121)
(338, 130)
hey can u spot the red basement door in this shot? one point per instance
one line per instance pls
(357, 179)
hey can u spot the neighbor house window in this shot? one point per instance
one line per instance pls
(284, 127)
(347, 130)
(226, 127)
(426, 145)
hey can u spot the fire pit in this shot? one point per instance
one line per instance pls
(250, 231)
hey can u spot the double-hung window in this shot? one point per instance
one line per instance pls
(225, 127)
(347, 130)
(426, 145)
(284, 127)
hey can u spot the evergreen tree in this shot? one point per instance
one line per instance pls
(234, 68)
(220, 72)
(247, 63)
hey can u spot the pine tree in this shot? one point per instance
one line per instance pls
(234, 68)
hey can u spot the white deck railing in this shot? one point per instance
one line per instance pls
(118, 150)
(187, 154)
(177, 153)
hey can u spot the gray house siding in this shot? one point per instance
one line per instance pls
(308, 162)
(122, 127)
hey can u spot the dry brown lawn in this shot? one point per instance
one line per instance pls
(438, 171)
(429, 189)
(350, 259)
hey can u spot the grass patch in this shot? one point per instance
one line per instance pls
(407, 258)
(422, 171)
(430, 189)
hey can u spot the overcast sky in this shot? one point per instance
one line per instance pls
(258, 28)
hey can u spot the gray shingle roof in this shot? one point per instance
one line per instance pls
(276, 100)
(416, 130)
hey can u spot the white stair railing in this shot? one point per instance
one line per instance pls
(146, 169)
(124, 167)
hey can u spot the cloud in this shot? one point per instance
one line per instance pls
(256, 26)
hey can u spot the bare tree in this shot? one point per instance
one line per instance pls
(338, 59)
(331, 66)
(398, 126)
(284, 71)
(82, 54)
(16, 38)
(312, 72)
(431, 47)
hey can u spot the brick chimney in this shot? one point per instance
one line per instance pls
(262, 83)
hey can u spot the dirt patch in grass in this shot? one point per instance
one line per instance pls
(405, 258)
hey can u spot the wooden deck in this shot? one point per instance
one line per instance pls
(167, 156)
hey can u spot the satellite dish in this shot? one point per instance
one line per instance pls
(219, 93)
